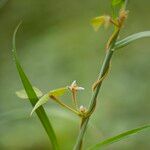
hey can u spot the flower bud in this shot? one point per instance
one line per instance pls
(82, 109)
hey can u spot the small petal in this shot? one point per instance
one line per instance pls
(80, 88)
(74, 87)
(73, 83)
(82, 109)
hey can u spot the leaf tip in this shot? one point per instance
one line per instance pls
(32, 112)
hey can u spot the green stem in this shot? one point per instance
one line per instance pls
(69, 108)
(75, 99)
(64, 105)
(105, 66)
(92, 105)
(93, 101)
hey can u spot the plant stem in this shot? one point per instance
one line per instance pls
(105, 67)
(69, 108)
(74, 99)
(92, 105)
(64, 105)
(93, 101)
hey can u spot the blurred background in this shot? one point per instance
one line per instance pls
(56, 45)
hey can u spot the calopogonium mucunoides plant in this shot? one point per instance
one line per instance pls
(37, 99)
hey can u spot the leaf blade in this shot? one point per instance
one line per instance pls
(131, 38)
(118, 137)
(45, 98)
(41, 101)
(58, 92)
(116, 2)
(23, 95)
(97, 22)
(30, 92)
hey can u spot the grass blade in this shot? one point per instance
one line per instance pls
(41, 101)
(117, 138)
(131, 38)
(33, 97)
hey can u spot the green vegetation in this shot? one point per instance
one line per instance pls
(78, 105)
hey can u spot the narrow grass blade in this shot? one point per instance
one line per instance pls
(33, 97)
(131, 38)
(117, 138)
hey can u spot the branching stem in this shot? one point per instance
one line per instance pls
(64, 105)
(103, 71)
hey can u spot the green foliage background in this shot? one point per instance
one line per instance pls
(56, 45)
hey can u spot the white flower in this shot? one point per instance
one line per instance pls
(74, 87)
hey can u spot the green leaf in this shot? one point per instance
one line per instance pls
(33, 97)
(117, 2)
(45, 98)
(41, 101)
(118, 138)
(58, 92)
(23, 95)
(131, 38)
(97, 22)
